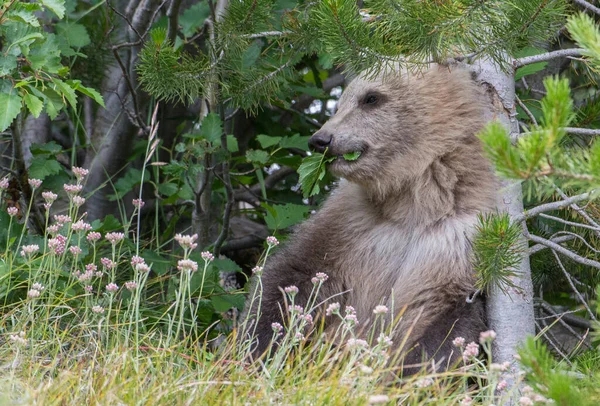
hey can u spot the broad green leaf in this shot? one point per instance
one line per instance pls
(43, 167)
(25, 40)
(532, 68)
(10, 106)
(127, 182)
(257, 156)
(54, 102)
(193, 18)
(46, 55)
(34, 104)
(67, 91)
(7, 64)
(295, 141)
(211, 128)
(267, 141)
(56, 6)
(25, 16)
(283, 216)
(352, 156)
(46, 149)
(312, 171)
(75, 34)
(226, 265)
(223, 303)
(232, 143)
(88, 91)
(168, 188)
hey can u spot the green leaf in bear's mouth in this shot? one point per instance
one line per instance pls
(352, 156)
(312, 171)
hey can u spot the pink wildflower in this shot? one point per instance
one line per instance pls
(107, 263)
(58, 244)
(187, 242)
(81, 226)
(94, 236)
(380, 309)
(112, 287)
(75, 250)
(489, 335)
(187, 265)
(98, 309)
(28, 250)
(12, 211)
(138, 203)
(4, 183)
(272, 241)
(458, 342)
(333, 308)
(79, 173)
(471, 351)
(131, 285)
(114, 238)
(207, 256)
(35, 183)
(73, 189)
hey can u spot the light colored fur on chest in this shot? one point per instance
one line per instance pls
(403, 257)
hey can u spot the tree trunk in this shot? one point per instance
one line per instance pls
(114, 133)
(511, 316)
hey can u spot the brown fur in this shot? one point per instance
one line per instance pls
(401, 221)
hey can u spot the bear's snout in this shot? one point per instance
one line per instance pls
(320, 141)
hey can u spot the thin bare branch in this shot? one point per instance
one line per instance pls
(557, 240)
(548, 56)
(587, 6)
(553, 206)
(569, 223)
(559, 248)
(529, 114)
(577, 293)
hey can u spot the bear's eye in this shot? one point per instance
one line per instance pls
(370, 99)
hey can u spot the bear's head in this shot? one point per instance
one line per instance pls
(400, 123)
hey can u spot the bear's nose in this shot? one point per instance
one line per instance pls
(320, 141)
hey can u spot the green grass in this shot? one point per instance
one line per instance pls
(85, 321)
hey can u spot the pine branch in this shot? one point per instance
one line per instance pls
(548, 56)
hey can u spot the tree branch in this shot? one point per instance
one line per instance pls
(548, 56)
(587, 6)
(173, 17)
(552, 206)
(559, 248)
(577, 293)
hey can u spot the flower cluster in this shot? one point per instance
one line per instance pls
(28, 250)
(58, 244)
(131, 285)
(187, 242)
(138, 203)
(112, 287)
(471, 351)
(380, 309)
(81, 226)
(35, 183)
(207, 256)
(114, 238)
(272, 241)
(187, 265)
(320, 277)
(94, 236)
(333, 308)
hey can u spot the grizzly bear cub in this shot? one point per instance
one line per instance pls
(397, 230)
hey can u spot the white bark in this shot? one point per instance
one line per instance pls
(511, 316)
